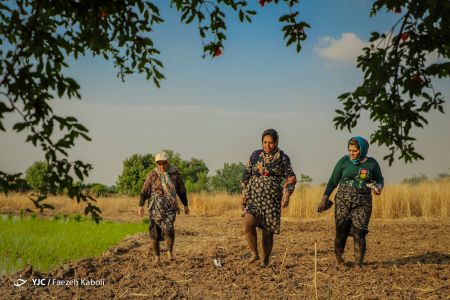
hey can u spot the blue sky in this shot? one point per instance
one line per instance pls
(216, 109)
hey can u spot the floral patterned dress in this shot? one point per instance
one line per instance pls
(163, 205)
(262, 184)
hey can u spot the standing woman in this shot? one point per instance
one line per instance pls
(356, 174)
(263, 194)
(162, 186)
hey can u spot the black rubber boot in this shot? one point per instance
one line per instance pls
(340, 240)
(359, 238)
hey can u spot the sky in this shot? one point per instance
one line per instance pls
(216, 109)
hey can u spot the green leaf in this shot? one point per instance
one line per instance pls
(20, 126)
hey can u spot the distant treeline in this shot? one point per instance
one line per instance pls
(136, 167)
(134, 171)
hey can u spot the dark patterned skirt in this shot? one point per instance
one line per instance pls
(264, 202)
(353, 208)
(162, 218)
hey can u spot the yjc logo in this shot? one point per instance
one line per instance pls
(39, 281)
(19, 282)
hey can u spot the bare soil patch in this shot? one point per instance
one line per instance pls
(405, 259)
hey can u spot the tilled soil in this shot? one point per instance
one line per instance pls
(405, 259)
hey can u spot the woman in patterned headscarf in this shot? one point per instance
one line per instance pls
(162, 186)
(357, 175)
(263, 194)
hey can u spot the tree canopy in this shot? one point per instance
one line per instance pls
(228, 179)
(136, 168)
(35, 176)
(37, 39)
(397, 88)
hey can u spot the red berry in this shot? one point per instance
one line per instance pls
(217, 52)
(404, 36)
(262, 2)
(417, 78)
(104, 14)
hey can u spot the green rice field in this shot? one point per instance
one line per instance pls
(46, 243)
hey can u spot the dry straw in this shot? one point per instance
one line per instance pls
(428, 199)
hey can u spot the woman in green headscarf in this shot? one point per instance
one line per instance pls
(357, 175)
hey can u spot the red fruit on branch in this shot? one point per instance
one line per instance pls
(404, 36)
(417, 78)
(262, 2)
(217, 52)
(104, 14)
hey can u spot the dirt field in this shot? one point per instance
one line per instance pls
(405, 259)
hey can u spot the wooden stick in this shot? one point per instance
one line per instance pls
(140, 295)
(315, 269)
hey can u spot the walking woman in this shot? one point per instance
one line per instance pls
(162, 186)
(357, 175)
(263, 194)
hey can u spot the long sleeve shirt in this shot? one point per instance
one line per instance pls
(357, 176)
(280, 169)
(152, 185)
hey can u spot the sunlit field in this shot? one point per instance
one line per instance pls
(46, 243)
(64, 244)
(430, 199)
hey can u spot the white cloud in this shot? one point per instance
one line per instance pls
(345, 49)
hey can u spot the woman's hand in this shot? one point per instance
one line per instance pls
(285, 200)
(141, 211)
(186, 210)
(376, 190)
(322, 204)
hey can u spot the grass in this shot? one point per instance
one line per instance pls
(205, 204)
(46, 243)
(429, 199)
(426, 199)
(119, 208)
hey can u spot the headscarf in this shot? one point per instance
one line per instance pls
(168, 187)
(276, 153)
(273, 133)
(363, 148)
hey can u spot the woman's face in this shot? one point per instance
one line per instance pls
(162, 165)
(353, 152)
(268, 143)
